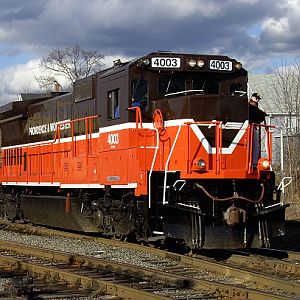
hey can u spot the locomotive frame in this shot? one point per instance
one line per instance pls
(162, 147)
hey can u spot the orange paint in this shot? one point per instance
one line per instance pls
(123, 157)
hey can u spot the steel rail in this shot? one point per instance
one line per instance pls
(285, 267)
(198, 264)
(294, 255)
(202, 264)
(220, 268)
(80, 280)
(221, 289)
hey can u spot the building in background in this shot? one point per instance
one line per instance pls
(280, 101)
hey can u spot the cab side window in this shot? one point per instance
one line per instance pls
(113, 104)
(140, 94)
(236, 89)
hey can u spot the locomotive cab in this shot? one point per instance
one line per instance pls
(185, 90)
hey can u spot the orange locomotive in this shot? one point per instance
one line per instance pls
(164, 147)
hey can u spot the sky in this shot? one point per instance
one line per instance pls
(259, 33)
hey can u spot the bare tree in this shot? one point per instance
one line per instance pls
(46, 82)
(284, 95)
(72, 63)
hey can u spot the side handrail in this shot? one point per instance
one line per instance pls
(252, 127)
(139, 125)
(282, 185)
(138, 116)
(88, 132)
(57, 130)
(218, 125)
(219, 145)
(152, 166)
(250, 135)
(167, 163)
(285, 181)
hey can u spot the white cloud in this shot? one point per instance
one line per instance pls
(17, 79)
(250, 30)
(276, 27)
(21, 78)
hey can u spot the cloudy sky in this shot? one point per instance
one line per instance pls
(258, 33)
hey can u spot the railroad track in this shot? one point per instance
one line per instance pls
(18, 285)
(280, 264)
(294, 255)
(101, 276)
(121, 280)
(185, 274)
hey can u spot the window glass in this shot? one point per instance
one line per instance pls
(209, 85)
(171, 84)
(175, 83)
(113, 104)
(140, 94)
(236, 88)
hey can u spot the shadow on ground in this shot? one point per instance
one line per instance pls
(291, 241)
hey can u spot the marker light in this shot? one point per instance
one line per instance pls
(238, 65)
(191, 63)
(146, 62)
(200, 63)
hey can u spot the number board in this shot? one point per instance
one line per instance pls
(222, 65)
(165, 62)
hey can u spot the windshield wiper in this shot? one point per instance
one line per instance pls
(185, 92)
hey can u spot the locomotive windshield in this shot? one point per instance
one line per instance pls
(170, 84)
(179, 74)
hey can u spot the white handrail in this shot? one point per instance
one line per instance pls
(152, 166)
(283, 185)
(167, 163)
(281, 150)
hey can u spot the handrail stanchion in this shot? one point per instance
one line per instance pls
(248, 148)
(270, 146)
(268, 142)
(56, 139)
(218, 142)
(138, 116)
(250, 167)
(73, 140)
(86, 139)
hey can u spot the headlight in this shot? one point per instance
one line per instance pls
(264, 164)
(146, 62)
(200, 63)
(201, 164)
(238, 65)
(191, 63)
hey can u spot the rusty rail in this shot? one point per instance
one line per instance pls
(221, 289)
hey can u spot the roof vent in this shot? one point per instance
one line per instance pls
(117, 62)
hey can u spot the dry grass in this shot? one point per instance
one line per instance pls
(293, 212)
